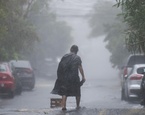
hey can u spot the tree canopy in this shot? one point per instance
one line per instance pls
(107, 20)
(27, 26)
(133, 13)
(126, 34)
(16, 35)
(28, 30)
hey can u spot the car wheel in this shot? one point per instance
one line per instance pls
(11, 94)
(127, 95)
(19, 90)
(32, 85)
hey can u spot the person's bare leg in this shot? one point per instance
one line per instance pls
(78, 101)
(64, 98)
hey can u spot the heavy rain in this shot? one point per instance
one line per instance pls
(36, 34)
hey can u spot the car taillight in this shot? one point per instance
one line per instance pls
(28, 70)
(125, 71)
(136, 77)
(7, 78)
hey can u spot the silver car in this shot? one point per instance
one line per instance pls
(133, 82)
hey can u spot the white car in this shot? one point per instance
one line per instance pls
(133, 82)
(126, 69)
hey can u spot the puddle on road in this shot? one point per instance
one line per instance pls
(73, 111)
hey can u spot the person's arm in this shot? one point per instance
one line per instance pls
(82, 73)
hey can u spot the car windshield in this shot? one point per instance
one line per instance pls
(3, 68)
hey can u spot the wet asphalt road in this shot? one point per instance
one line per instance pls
(99, 97)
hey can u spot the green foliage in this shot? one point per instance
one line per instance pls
(3, 15)
(133, 13)
(16, 34)
(29, 31)
(116, 44)
(54, 36)
(107, 20)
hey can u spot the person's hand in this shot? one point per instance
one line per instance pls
(83, 79)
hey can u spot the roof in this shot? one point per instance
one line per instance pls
(139, 65)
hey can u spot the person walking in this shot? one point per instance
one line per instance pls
(68, 82)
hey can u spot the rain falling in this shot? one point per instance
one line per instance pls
(35, 35)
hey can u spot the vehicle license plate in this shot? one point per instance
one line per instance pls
(2, 85)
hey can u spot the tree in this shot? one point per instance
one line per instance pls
(29, 31)
(54, 36)
(116, 44)
(22, 23)
(17, 36)
(106, 20)
(133, 13)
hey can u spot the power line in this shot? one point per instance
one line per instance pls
(62, 8)
(71, 5)
(74, 16)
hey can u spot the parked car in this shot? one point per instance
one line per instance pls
(125, 70)
(7, 81)
(24, 70)
(132, 60)
(132, 82)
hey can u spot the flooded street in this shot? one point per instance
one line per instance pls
(98, 96)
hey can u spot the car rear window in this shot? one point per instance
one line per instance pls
(3, 68)
(136, 60)
(21, 64)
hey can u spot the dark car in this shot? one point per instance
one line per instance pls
(131, 61)
(24, 70)
(7, 81)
